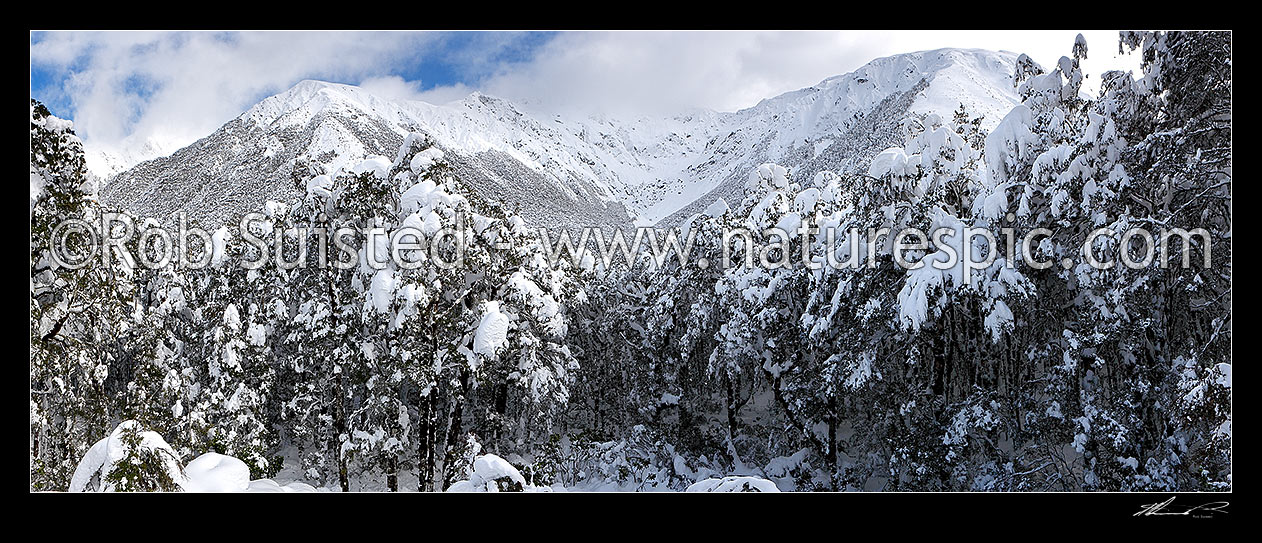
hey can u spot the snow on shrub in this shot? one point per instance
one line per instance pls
(492, 331)
(131, 459)
(733, 484)
(492, 474)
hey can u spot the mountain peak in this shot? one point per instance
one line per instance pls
(954, 76)
(309, 97)
(979, 79)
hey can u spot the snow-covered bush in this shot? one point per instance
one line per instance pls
(491, 474)
(733, 484)
(131, 459)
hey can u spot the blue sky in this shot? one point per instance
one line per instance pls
(446, 59)
(128, 88)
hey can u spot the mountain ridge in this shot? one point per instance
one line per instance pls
(596, 170)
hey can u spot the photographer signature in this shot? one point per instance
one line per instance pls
(1200, 511)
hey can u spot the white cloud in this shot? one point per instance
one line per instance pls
(193, 82)
(442, 95)
(392, 87)
(179, 87)
(397, 88)
(727, 71)
(668, 70)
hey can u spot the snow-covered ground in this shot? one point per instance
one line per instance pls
(214, 472)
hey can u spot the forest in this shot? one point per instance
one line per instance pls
(517, 371)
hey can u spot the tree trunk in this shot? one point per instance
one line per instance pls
(340, 414)
(392, 474)
(455, 430)
(425, 477)
(832, 440)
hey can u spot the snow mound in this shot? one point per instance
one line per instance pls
(268, 485)
(492, 474)
(214, 472)
(733, 484)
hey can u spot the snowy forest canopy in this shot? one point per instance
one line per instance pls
(514, 372)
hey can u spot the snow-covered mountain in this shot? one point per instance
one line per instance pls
(572, 171)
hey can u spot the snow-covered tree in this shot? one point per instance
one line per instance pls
(130, 459)
(81, 310)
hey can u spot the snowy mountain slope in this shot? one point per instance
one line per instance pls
(505, 155)
(664, 169)
(568, 171)
(842, 122)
